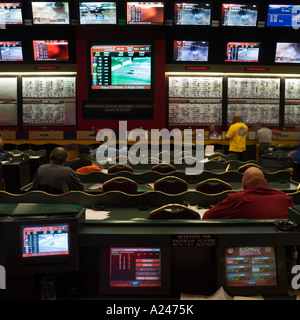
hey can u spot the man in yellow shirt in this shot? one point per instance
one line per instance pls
(237, 134)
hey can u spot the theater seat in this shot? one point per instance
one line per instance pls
(119, 167)
(163, 168)
(47, 188)
(171, 185)
(173, 211)
(213, 186)
(120, 184)
(244, 167)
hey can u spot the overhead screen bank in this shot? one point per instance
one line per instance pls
(127, 255)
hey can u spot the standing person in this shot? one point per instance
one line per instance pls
(55, 176)
(237, 134)
(264, 137)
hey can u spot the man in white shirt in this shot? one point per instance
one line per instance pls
(264, 137)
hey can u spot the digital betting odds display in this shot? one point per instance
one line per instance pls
(98, 12)
(10, 13)
(190, 50)
(242, 51)
(46, 240)
(283, 15)
(11, 51)
(135, 267)
(239, 15)
(50, 12)
(192, 13)
(145, 13)
(121, 67)
(250, 266)
(50, 50)
(287, 52)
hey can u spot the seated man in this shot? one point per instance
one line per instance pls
(256, 201)
(4, 155)
(56, 175)
(84, 158)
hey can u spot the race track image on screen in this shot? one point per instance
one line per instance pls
(50, 12)
(121, 66)
(190, 50)
(242, 51)
(98, 12)
(192, 14)
(10, 13)
(145, 13)
(11, 51)
(45, 240)
(239, 15)
(287, 52)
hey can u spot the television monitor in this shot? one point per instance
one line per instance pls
(97, 13)
(145, 13)
(11, 51)
(135, 267)
(190, 50)
(10, 13)
(239, 15)
(192, 13)
(283, 15)
(121, 68)
(252, 269)
(287, 52)
(50, 12)
(50, 50)
(242, 52)
(45, 240)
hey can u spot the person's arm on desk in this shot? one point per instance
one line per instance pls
(221, 210)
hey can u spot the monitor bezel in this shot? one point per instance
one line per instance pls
(192, 2)
(145, 24)
(121, 93)
(50, 24)
(282, 280)
(97, 24)
(239, 61)
(104, 279)
(240, 26)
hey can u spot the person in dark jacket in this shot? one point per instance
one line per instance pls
(84, 158)
(4, 155)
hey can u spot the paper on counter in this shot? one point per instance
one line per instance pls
(200, 211)
(96, 215)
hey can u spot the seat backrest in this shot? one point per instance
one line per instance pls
(173, 211)
(171, 185)
(120, 184)
(213, 186)
(119, 167)
(163, 168)
(244, 167)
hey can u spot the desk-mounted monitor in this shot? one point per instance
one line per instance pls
(150, 13)
(53, 12)
(10, 13)
(243, 52)
(192, 13)
(239, 15)
(94, 13)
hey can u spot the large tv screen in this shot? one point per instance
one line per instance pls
(145, 13)
(242, 52)
(283, 15)
(239, 15)
(50, 50)
(190, 50)
(45, 240)
(135, 267)
(50, 12)
(11, 51)
(10, 13)
(98, 12)
(126, 68)
(287, 52)
(192, 13)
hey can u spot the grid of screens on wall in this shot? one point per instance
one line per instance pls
(50, 12)
(45, 240)
(121, 68)
(95, 13)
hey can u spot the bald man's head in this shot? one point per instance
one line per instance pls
(253, 177)
(236, 118)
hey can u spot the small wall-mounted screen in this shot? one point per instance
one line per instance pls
(10, 13)
(190, 50)
(239, 15)
(50, 13)
(97, 12)
(11, 51)
(145, 13)
(192, 13)
(287, 52)
(242, 51)
(50, 50)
